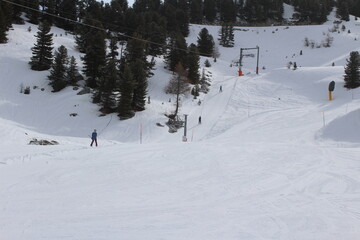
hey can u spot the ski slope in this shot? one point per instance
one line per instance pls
(272, 159)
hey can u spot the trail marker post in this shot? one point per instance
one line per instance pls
(331, 89)
(185, 126)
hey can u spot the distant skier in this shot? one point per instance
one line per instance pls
(220, 89)
(199, 119)
(94, 138)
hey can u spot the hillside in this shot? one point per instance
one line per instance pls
(272, 159)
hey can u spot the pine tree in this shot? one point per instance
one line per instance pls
(355, 9)
(84, 34)
(177, 17)
(227, 35)
(114, 14)
(313, 11)
(228, 11)
(153, 29)
(343, 10)
(94, 58)
(135, 49)
(3, 27)
(231, 41)
(158, 36)
(17, 10)
(5, 20)
(108, 81)
(210, 10)
(32, 15)
(146, 5)
(195, 91)
(193, 62)
(58, 70)
(204, 82)
(42, 51)
(222, 35)
(196, 11)
(72, 75)
(131, 22)
(48, 6)
(7, 10)
(352, 71)
(140, 85)
(168, 11)
(177, 51)
(205, 43)
(67, 9)
(125, 110)
(182, 19)
(136, 59)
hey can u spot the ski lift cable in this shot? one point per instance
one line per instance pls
(106, 125)
(73, 15)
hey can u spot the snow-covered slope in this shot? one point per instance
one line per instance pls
(272, 159)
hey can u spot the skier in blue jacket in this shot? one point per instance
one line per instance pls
(94, 138)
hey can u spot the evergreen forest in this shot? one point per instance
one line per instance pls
(119, 42)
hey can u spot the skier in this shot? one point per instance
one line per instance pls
(220, 89)
(199, 119)
(94, 138)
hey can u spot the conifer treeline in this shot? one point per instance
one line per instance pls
(118, 77)
(155, 16)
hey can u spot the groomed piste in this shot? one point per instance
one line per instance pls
(272, 159)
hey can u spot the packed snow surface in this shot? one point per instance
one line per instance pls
(272, 159)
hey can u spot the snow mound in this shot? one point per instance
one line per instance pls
(345, 128)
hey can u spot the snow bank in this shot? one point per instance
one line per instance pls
(345, 128)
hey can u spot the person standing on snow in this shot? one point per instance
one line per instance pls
(94, 138)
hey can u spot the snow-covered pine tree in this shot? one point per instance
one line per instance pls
(231, 40)
(227, 35)
(204, 82)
